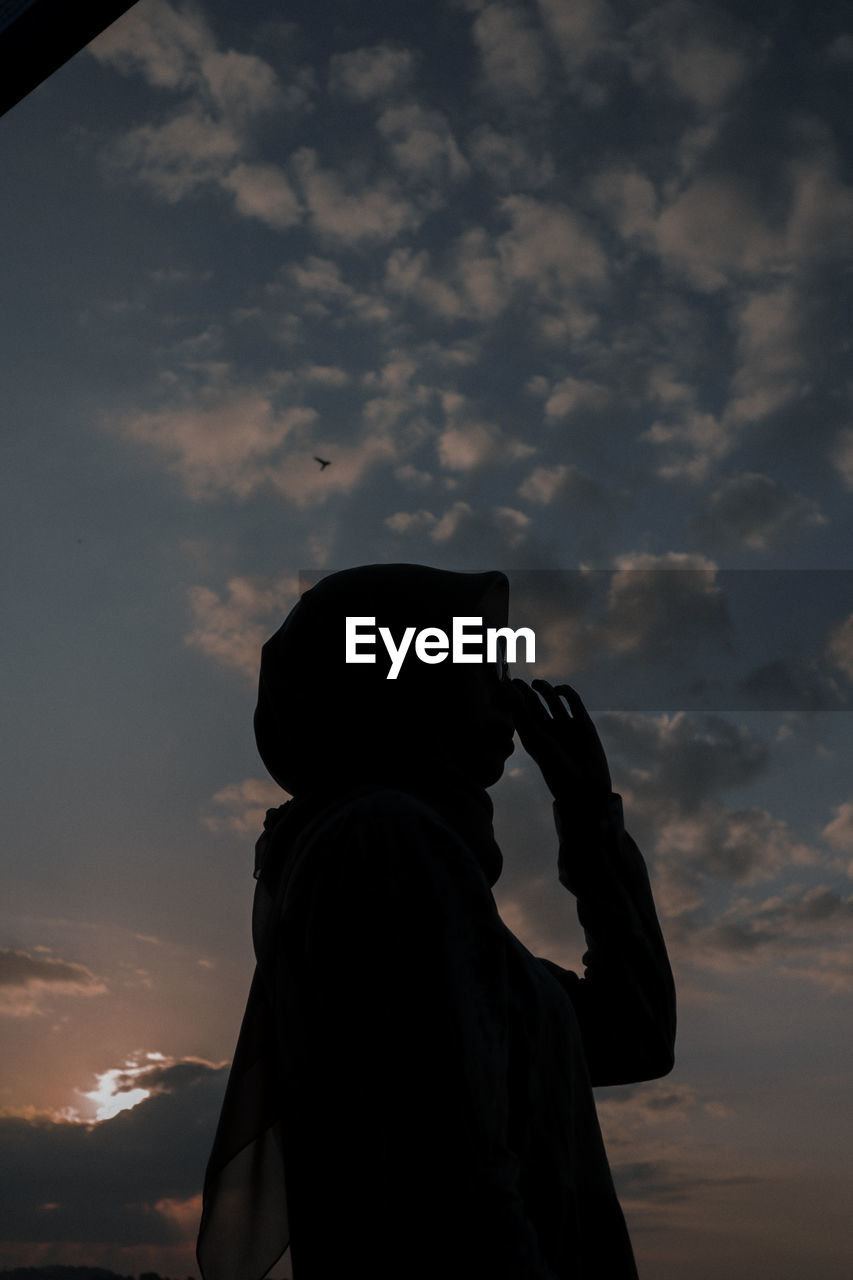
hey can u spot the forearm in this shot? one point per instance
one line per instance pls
(625, 1002)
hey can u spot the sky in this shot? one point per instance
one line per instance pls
(560, 288)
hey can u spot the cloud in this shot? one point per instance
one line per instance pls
(581, 31)
(801, 931)
(162, 42)
(636, 636)
(231, 630)
(262, 191)
(797, 684)
(471, 287)
(694, 51)
(227, 440)
(454, 520)
(403, 522)
(461, 524)
(840, 646)
(627, 198)
(722, 230)
(512, 59)
(514, 525)
(548, 247)
(770, 353)
(661, 602)
(189, 151)
(205, 141)
(471, 445)
(658, 1111)
(714, 233)
(547, 254)
(840, 49)
(242, 806)
(30, 980)
(509, 161)
(754, 512)
(737, 846)
(694, 441)
(569, 395)
(839, 832)
(422, 145)
(121, 1180)
(673, 772)
(841, 456)
(675, 764)
(350, 212)
(325, 375)
(327, 294)
(564, 481)
(375, 71)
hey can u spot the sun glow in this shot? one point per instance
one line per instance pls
(115, 1091)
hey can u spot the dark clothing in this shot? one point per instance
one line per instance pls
(432, 1078)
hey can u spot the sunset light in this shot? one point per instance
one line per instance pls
(115, 1090)
(556, 288)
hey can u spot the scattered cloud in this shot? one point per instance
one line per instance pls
(841, 456)
(123, 1179)
(563, 481)
(569, 395)
(756, 513)
(839, 832)
(375, 71)
(422, 145)
(693, 51)
(508, 160)
(262, 191)
(582, 31)
(468, 446)
(693, 440)
(840, 646)
(349, 211)
(230, 630)
(241, 807)
(797, 683)
(658, 602)
(675, 764)
(512, 58)
(227, 440)
(207, 141)
(770, 353)
(801, 931)
(30, 980)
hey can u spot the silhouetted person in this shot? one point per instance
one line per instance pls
(411, 1091)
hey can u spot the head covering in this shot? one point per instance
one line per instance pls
(320, 719)
(327, 730)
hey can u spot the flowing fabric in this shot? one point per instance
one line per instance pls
(411, 1087)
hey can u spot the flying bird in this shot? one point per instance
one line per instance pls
(324, 462)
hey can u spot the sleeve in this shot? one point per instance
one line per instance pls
(402, 1122)
(625, 1002)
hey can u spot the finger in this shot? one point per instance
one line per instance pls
(552, 698)
(576, 706)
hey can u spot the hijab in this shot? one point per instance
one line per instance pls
(327, 730)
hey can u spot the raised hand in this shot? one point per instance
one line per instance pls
(563, 742)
